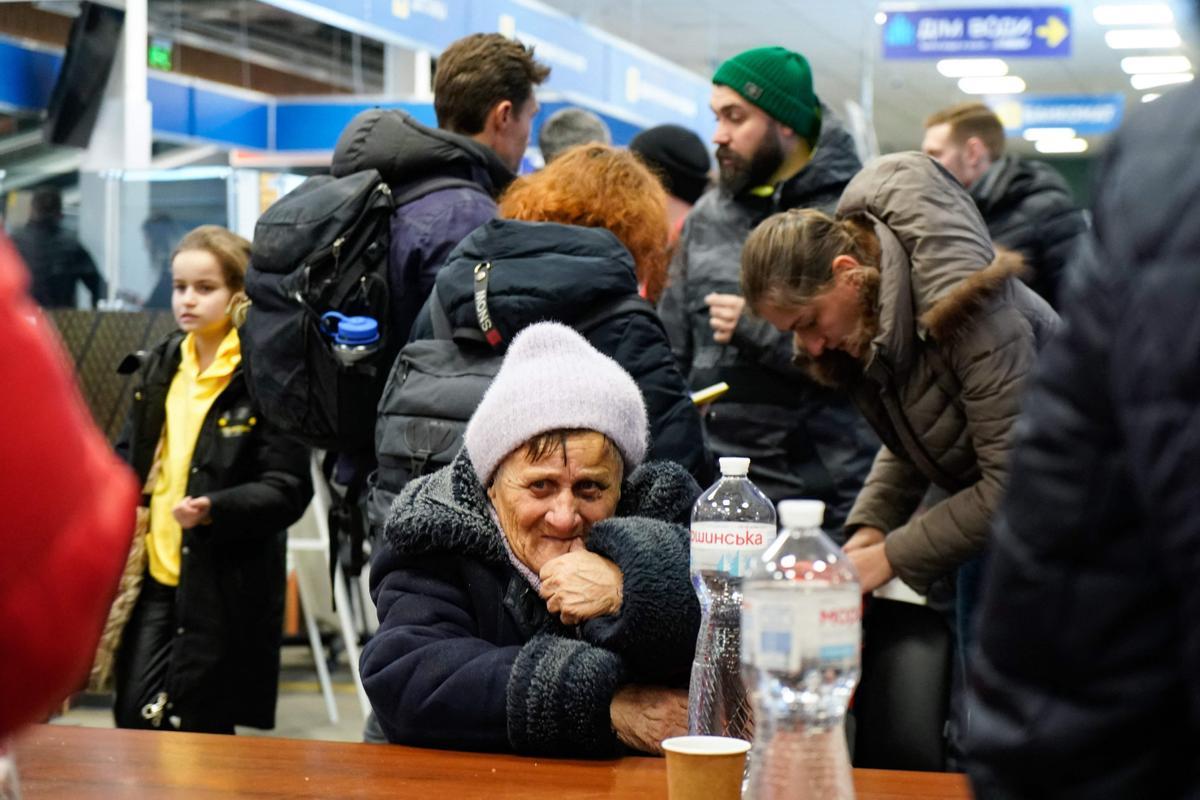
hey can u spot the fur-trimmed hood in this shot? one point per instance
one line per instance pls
(448, 511)
(938, 269)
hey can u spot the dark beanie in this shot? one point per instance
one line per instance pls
(779, 82)
(678, 156)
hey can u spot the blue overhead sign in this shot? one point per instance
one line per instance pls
(1041, 31)
(1088, 115)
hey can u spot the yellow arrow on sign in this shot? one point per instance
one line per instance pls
(1054, 31)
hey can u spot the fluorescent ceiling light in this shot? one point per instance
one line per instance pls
(1006, 84)
(1135, 64)
(1037, 134)
(1150, 97)
(1142, 38)
(1140, 82)
(1061, 145)
(972, 67)
(1149, 14)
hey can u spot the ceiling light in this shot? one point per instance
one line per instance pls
(1150, 97)
(972, 67)
(1142, 38)
(1061, 145)
(880, 18)
(1006, 84)
(1149, 14)
(1135, 64)
(1037, 134)
(1140, 82)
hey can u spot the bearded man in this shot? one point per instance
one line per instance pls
(778, 148)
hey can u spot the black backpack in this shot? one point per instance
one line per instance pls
(323, 247)
(434, 387)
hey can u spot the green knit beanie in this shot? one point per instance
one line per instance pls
(780, 83)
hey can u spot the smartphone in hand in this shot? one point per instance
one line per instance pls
(709, 393)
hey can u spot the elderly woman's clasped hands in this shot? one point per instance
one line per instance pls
(580, 585)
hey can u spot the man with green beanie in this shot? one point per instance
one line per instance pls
(777, 148)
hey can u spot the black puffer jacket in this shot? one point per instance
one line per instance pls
(804, 440)
(229, 604)
(1028, 208)
(1087, 677)
(546, 271)
(468, 658)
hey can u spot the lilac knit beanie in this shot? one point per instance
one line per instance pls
(551, 379)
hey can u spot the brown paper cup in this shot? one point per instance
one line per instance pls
(705, 767)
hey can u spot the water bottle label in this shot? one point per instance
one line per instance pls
(780, 633)
(729, 547)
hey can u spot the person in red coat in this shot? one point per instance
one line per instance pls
(68, 513)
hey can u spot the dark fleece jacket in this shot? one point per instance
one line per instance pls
(468, 657)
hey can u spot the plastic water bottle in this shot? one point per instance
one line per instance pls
(801, 618)
(354, 338)
(732, 524)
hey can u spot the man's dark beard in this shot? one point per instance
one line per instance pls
(742, 174)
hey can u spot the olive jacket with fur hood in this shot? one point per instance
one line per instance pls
(958, 332)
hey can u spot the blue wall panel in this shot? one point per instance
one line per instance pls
(26, 76)
(234, 120)
(170, 107)
(316, 126)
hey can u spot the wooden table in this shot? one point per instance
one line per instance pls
(78, 763)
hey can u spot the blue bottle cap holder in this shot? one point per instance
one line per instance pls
(350, 331)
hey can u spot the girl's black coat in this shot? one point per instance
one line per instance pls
(229, 603)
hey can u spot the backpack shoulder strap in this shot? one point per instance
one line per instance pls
(419, 190)
(629, 304)
(438, 317)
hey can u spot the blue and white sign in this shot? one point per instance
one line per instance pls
(1041, 31)
(576, 59)
(1087, 114)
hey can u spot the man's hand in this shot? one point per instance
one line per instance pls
(874, 569)
(581, 585)
(724, 311)
(643, 716)
(863, 537)
(192, 511)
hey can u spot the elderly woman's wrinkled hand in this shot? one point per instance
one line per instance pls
(642, 716)
(581, 585)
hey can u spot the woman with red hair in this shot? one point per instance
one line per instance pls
(589, 229)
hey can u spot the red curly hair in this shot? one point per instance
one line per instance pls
(598, 186)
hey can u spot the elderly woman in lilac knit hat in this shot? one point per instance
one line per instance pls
(533, 595)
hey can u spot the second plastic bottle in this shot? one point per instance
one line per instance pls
(800, 651)
(732, 524)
